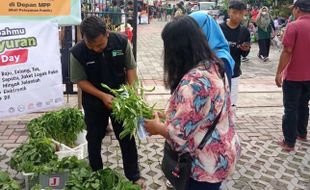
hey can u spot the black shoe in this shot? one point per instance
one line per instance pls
(245, 59)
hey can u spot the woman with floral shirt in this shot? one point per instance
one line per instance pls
(200, 91)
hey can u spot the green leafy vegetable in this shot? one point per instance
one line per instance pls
(128, 107)
(106, 179)
(7, 183)
(65, 164)
(36, 152)
(77, 179)
(39, 187)
(63, 125)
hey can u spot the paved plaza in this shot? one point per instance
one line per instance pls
(263, 164)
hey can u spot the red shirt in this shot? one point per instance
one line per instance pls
(254, 14)
(297, 36)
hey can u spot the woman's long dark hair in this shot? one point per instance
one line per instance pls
(185, 47)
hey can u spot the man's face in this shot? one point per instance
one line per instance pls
(235, 15)
(99, 44)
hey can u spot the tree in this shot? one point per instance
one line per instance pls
(273, 3)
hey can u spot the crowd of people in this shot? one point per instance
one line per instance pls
(201, 66)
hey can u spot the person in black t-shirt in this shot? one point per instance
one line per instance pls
(239, 39)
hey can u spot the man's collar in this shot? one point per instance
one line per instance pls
(305, 16)
(108, 48)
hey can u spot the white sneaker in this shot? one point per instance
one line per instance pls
(245, 59)
(260, 56)
(168, 184)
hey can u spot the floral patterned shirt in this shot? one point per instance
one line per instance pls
(192, 108)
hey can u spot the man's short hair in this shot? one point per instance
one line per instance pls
(92, 27)
(236, 4)
(303, 5)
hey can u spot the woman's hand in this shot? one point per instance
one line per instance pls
(155, 127)
(162, 116)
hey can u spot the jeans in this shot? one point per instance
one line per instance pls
(296, 97)
(97, 122)
(196, 185)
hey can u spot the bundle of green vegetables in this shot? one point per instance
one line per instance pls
(7, 183)
(65, 164)
(106, 179)
(36, 152)
(63, 125)
(128, 107)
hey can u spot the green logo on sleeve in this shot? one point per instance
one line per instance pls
(117, 53)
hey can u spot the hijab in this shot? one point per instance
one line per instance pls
(263, 20)
(216, 39)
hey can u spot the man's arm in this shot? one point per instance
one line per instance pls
(283, 62)
(246, 45)
(88, 87)
(79, 76)
(131, 66)
(132, 76)
(288, 42)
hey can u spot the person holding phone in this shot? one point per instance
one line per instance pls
(239, 40)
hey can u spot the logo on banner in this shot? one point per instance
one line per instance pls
(54, 181)
(21, 108)
(15, 51)
(11, 110)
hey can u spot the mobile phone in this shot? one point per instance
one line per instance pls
(246, 43)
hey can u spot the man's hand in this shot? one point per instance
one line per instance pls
(245, 46)
(107, 100)
(278, 80)
(285, 56)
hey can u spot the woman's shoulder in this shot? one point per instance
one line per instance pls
(205, 67)
(204, 74)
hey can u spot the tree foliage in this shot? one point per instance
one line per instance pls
(259, 3)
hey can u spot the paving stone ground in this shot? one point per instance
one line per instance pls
(263, 165)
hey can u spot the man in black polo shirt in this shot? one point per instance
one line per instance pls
(103, 57)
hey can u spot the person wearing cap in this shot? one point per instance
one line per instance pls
(239, 39)
(293, 75)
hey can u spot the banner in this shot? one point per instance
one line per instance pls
(30, 68)
(65, 12)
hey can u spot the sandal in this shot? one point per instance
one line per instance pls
(141, 183)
